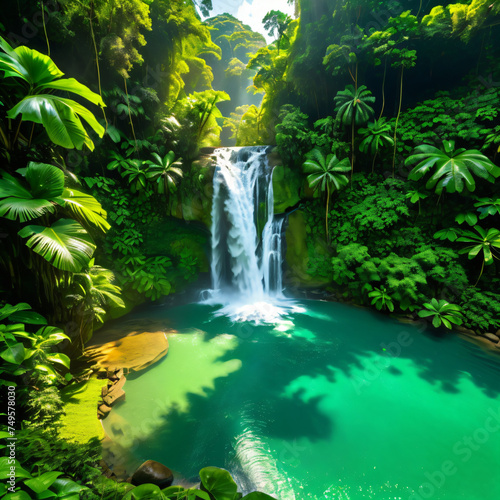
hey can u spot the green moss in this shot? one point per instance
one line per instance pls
(305, 254)
(80, 423)
(286, 188)
(170, 236)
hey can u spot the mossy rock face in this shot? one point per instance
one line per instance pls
(286, 188)
(195, 201)
(300, 246)
(176, 238)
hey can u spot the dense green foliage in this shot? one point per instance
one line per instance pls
(105, 197)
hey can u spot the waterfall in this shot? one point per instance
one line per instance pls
(247, 253)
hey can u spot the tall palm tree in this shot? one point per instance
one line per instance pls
(353, 108)
(326, 174)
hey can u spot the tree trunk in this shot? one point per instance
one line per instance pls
(397, 121)
(326, 215)
(352, 147)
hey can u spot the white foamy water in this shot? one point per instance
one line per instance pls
(247, 259)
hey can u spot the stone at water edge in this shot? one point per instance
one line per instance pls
(492, 337)
(153, 472)
(114, 397)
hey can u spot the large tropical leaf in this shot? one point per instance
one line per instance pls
(72, 85)
(46, 184)
(60, 118)
(453, 170)
(65, 244)
(487, 206)
(14, 352)
(46, 181)
(27, 64)
(85, 208)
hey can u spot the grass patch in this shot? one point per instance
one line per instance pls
(80, 404)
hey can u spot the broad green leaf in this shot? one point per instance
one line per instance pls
(144, 492)
(470, 218)
(52, 334)
(14, 353)
(61, 358)
(46, 185)
(218, 482)
(257, 495)
(61, 119)
(43, 482)
(64, 487)
(85, 207)
(46, 181)
(24, 209)
(5, 468)
(42, 367)
(17, 495)
(30, 317)
(7, 310)
(454, 169)
(66, 244)
(72, 85)
(27, 64)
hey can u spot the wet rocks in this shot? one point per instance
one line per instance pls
(153, 472)
(132, 347)
(491, 336)
(112, 393)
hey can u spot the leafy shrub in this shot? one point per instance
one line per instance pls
(481, 309)
(46, 451)
(442, 313)
(293, 135)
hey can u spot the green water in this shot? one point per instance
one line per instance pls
(338, 403)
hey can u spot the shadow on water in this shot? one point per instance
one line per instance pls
(291, 394)
(190, 445)
(346, 338)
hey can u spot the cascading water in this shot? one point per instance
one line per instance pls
(246, 257)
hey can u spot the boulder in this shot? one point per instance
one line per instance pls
(104, 408)
(106, 471)
(491, 336)
(153, 472)
(114, 397)
(116, 385)
(116, 375)
(133, 346)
